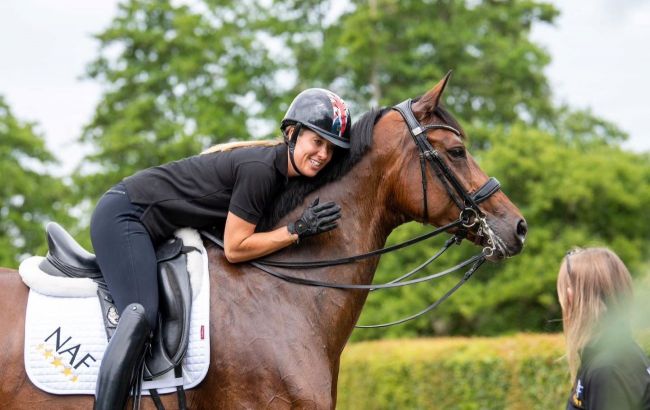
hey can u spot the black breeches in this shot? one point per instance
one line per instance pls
(125, 252)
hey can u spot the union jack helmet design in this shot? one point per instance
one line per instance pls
(323, 112)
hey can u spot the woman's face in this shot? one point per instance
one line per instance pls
(312, 153)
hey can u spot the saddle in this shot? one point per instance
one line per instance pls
(66, 258)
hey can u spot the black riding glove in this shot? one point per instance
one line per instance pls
(316, 219)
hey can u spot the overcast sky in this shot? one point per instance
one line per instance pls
(599, 50)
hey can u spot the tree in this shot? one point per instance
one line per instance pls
(178, 78)
(383, 51)
(29, 197)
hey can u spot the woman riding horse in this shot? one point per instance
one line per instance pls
(275, 344)
(231, 188)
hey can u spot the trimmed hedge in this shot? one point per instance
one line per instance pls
(517, 372)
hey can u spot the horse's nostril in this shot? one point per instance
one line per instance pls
(522, 229)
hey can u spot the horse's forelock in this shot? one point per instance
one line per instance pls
(342, 162)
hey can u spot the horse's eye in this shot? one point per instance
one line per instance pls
(457, 152)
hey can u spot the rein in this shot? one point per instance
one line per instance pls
(350, 259)
(332, 285)
(470, 216)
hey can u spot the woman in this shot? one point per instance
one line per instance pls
(223, 187)
(610, 371)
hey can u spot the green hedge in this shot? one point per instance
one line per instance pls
(516, 372)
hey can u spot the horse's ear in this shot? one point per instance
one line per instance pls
(429, 101)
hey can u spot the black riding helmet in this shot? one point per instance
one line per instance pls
(323, 112)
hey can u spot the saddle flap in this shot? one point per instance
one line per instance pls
(172, 334)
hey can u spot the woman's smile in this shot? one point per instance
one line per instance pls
(315, 163)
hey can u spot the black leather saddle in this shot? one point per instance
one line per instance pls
(66, 258)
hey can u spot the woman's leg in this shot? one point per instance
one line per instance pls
(125, 253)
(127, 260)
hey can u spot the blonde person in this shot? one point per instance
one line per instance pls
(229, 187)
(609, 369)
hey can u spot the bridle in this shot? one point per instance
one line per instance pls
(470, 216)
(470, 212)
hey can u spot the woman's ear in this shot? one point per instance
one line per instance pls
(291, 129)
(569, 296)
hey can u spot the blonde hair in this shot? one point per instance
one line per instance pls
(229, 146)
(599, 283)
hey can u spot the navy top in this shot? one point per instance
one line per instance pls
(199, 191)
(614, 375)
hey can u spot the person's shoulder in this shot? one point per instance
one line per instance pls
(254, 163)
(255, 154)
(620, 363)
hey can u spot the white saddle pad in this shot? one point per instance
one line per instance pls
(65, 339)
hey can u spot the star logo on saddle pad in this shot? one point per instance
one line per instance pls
(55, 346)
(57, 362)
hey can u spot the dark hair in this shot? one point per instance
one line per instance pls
(342, 162)
(449, 119)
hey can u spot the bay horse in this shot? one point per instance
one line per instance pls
(276, 344)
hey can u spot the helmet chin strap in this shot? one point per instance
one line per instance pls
(292, 147)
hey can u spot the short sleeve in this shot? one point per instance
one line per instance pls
(253, 189)
(608, 389)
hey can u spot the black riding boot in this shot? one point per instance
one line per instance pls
(118, 370)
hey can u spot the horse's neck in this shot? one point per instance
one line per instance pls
(364, 226)
(365, 223)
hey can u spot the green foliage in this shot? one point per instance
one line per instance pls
(517, 372)
(383, 51)
(29, 197)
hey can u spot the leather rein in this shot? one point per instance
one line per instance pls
(470, 216)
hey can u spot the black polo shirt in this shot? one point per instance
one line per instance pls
(199, 191)
(614, 375)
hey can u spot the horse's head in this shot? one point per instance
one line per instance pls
(432, 177)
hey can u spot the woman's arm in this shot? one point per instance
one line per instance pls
(242, 243)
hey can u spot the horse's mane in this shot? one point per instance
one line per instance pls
(342, 162)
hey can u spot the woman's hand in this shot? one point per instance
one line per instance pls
(316, 219)
(242, 243)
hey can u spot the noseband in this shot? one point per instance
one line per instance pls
(470, 213)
